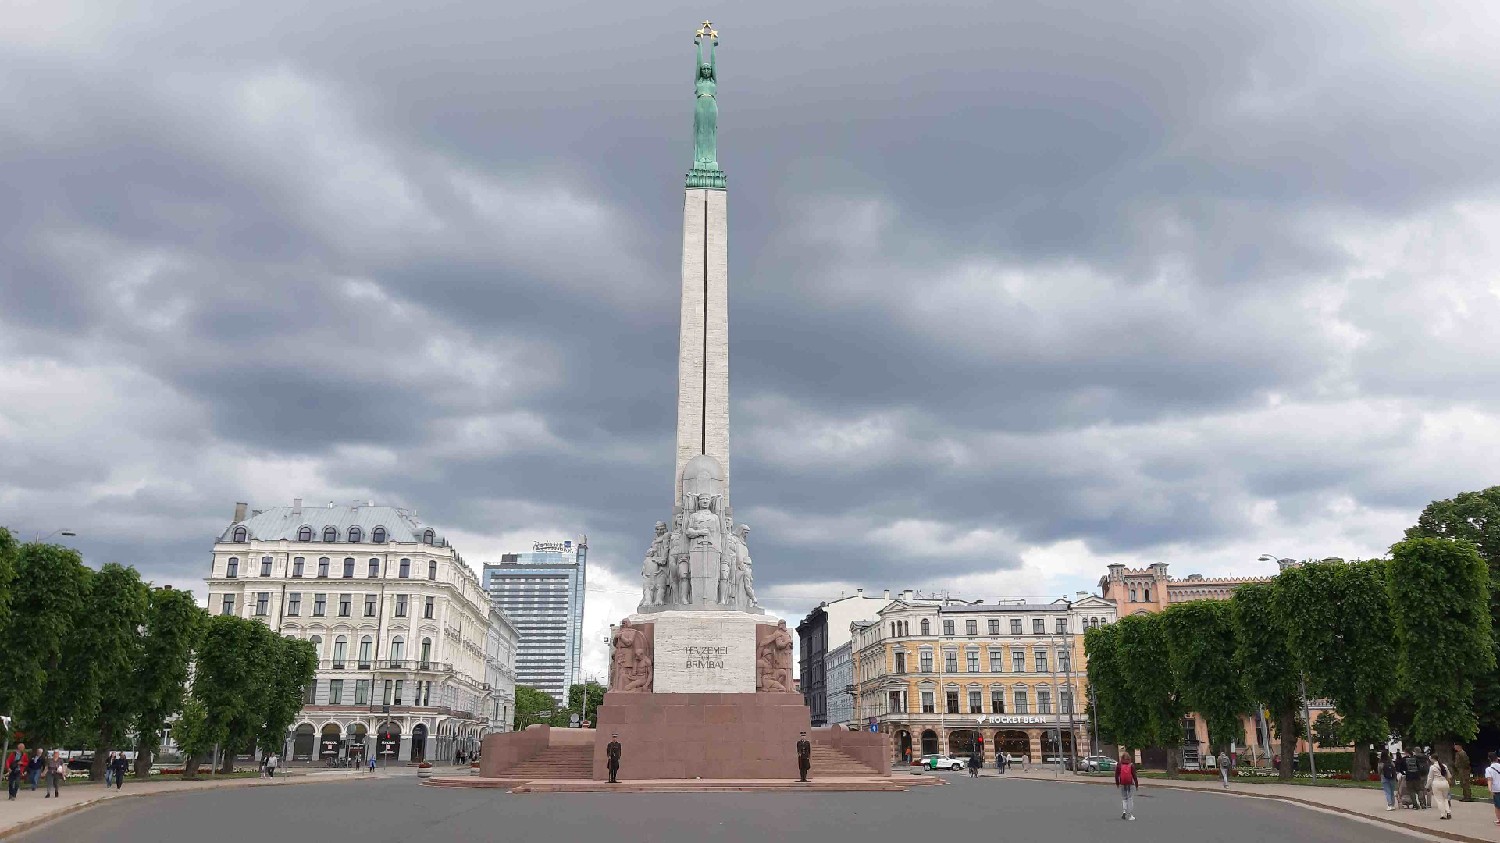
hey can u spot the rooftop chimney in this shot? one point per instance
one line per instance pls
(908, 595)
(239, 511)
(888, 594)
(859, 591)
(296, 507)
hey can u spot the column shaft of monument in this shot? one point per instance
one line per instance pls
(703, 353)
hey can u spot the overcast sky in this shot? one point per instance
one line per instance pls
(1017, 289)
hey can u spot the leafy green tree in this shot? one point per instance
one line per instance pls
(1267, 666)
(1326, 730)
(234, 662)
(1202, 650)
(585, 699)
(1474, 516)
(1111, 697)
(195, 737)
(531, 702)
(1338, 618)
(7, 578)
(174, 623)
(1439, 591)
(48, 596)
(294, 665)
(1156, 705)
(107, 642)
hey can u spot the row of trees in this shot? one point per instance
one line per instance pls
(535, 706)
(1405, 645)
(100, 659)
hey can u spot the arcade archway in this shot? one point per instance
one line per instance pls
(961, 743)
(929, 742)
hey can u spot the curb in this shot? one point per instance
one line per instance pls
(31, 824)
(1308, 803)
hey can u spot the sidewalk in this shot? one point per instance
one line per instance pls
(1471, 820)
(32, 808)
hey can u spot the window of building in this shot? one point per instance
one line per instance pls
(950, 661)
(900, 662)
(345, 601)
(926, 661)
(428, 537)
(320, 605)
(427, 607)
(1043, 700)
(1062, 626)
(401, 605)
(340, 651)
(1015, 626)
(232, 568)
(361, 692)
(973, 661)
(399, 684)
(432, 569)
(398, 650)
(241, 534)
(426, 652)
(1018, 661)
(1064, 660)
(366, 647)
(317, 642)
(262, 603)
(294, 604)
(976, 701)
(951, 700)
(1041, 661)
(304, 534)
(349, 568)
(1132, 595)
(330, 534)
(374, 570)
(355, 534)
(971, 627)
(386, 698)
(926, 627)
(323, 566)
(1147, 594)
(265, 566)
(227, 607)
(927, 705)
(297, 564)
(997, 701)
(994, 626)
(369, 605)
(1022, 706)
(1038, 626)
(947, 627)
(378, 535)
(405, 569)
(997, 661)
(310, 696)
(335, 691)
(1065, 700)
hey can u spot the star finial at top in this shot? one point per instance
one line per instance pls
(707, 29)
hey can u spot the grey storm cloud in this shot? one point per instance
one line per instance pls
(1170, 281)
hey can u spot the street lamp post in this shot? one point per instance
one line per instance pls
(41, 538)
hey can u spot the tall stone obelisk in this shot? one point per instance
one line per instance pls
(703, 349)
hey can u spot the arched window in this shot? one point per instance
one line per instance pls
(398, 650)
(926, 627)
(366, 652)
(348, 567)
(330, 534)
(374, 568)
(322, 566)
(241, 534)
(317, 642)
(432, 569)
(378, 535)
(405, 570)
(428, 536)
(426, 652)
(355, 534)
(233, 570)
(340, 650)
(304, 534)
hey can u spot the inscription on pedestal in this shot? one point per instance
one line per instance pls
(704, 652)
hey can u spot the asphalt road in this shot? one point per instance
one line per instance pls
(987, 809)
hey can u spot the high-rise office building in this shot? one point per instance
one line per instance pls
(542, 592)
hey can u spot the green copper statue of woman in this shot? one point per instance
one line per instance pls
(706, 110)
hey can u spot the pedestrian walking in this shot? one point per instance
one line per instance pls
(1491, 774)
(372, 763)
(1418, 777)
(1002, 760)
(120, 765)
(15, 766)
(271, 764)
(1388, 779)
(1439, 779)
(612, 754)
(57, 769)
(1403, 792)
(34, 764)
(804, 757)
(109, 771)
(1463, 769)
(1223, 760)
(1127, 781)
(975, 762)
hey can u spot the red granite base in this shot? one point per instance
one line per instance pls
(707, 736)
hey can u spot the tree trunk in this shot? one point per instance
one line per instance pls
(190, 769)
(1174, 761)
(143, 758)
(101, 754)
(1286, 727)
(227, 765)
(1359, 765)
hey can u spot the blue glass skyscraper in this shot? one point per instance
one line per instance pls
(542, 592)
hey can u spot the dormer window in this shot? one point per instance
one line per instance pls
(378, 535)
(240, 535)
(330, 534)
(428, 536)
(305, 534)
(355, 534)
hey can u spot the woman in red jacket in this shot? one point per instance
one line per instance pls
(1126, 780)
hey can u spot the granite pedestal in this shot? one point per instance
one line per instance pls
(710, 736)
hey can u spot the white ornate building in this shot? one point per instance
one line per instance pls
(412, 656)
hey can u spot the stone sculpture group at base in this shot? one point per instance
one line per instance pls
(702, 543)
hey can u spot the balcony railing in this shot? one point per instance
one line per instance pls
(386, 664)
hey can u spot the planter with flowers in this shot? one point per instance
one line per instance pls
(424, 770)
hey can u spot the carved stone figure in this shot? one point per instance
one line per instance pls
(681, 572)
(774, 660)
(630, 664)
(654, 571)
(743, 576)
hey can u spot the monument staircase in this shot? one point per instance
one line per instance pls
(831, 762)
(555, 762)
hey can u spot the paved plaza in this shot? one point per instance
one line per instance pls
(965, 809)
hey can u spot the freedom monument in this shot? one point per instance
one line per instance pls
(700, 680)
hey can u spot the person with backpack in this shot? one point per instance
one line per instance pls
(15, 765)
(1439, 779)
(120, 765)
(1388, 779)
(1127, 781)
(1492, 775)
